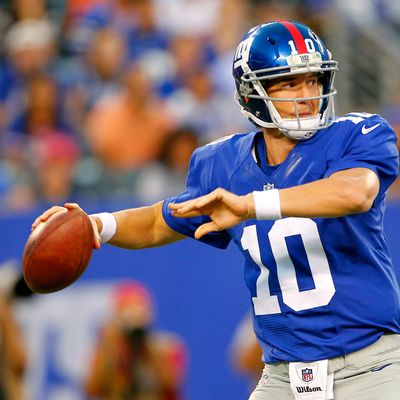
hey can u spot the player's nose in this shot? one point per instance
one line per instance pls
(304, 91)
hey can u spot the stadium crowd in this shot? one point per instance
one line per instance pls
(100, 97)
(112, 96)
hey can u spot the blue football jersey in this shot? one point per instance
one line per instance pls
(320, 287)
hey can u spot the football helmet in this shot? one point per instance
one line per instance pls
(280, 49)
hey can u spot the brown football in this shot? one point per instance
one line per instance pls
(58, 251)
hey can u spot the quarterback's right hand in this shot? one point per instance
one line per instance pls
(70, 206)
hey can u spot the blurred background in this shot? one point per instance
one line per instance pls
(102, 103)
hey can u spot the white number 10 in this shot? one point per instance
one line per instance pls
(309, 45)
(264, 302)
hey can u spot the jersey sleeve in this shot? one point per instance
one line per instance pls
(197, 184)
(370, 144)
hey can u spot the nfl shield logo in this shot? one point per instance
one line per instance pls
(268, 186)
(307, 375)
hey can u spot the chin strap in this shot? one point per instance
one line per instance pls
(310, 126)
(299, 128)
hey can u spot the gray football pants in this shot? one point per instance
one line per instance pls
(368, 374)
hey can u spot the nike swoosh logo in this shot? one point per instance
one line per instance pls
(365, 130)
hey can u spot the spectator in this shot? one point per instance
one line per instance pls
(105, 62)
(133, 19)
(147, 36)
(119, 14)
(16, 188)
(199, 16)
(42, 111)
(98, 75)
(39, 152)
(128, 131)
(187, 51)
(55, 155)
(12, 355)
(29, 9)
(30, 48)
(132, 360)
(13, 359)
(232, 21)
(38, 172)
(170, 70)
(78, 8)
(167, 176)
(246, 352)
(199, 105)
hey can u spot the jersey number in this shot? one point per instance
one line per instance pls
(264, 302)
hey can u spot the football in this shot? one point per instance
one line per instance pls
(58, 251)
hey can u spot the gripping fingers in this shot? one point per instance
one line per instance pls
(53, 210)
(46, 215)
(71, 206)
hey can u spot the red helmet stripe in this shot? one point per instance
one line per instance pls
(297, 36)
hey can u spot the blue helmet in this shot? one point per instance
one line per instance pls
(279, 49)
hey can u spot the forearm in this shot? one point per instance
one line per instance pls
(342, 194)
(324, 198)
(142, 227)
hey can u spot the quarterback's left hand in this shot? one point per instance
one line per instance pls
(224, 208)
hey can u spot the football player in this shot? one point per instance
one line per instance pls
(303, 197)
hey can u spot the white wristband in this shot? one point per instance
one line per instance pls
(267, 204)
(109, 225)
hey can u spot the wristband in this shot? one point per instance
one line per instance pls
(267, 204)
(109, 226)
